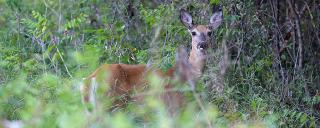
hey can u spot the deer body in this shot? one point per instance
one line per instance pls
(122, 79)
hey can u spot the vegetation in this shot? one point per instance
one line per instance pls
(263, 68)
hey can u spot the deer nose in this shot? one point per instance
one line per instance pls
(202, 45)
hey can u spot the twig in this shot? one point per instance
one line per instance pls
(64, 64)
(300, 45)
(312, 22)
(278, 59)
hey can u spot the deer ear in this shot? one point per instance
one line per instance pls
(186, 18)
(216, 18)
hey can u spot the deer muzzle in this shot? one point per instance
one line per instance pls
(202, 46)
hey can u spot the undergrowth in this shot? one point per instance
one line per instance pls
(47, 47)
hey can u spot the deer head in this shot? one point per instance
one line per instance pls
(201, 33)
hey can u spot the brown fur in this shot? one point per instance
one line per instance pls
(123, 79)
(202, 28)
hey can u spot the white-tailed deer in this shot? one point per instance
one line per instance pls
(123, 79)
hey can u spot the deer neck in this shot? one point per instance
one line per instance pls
(197, 61)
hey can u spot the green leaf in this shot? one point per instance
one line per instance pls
(214, 1)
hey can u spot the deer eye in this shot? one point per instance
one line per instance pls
(209, 33)
(193, 33)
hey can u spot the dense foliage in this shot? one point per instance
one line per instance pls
(263, 68)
